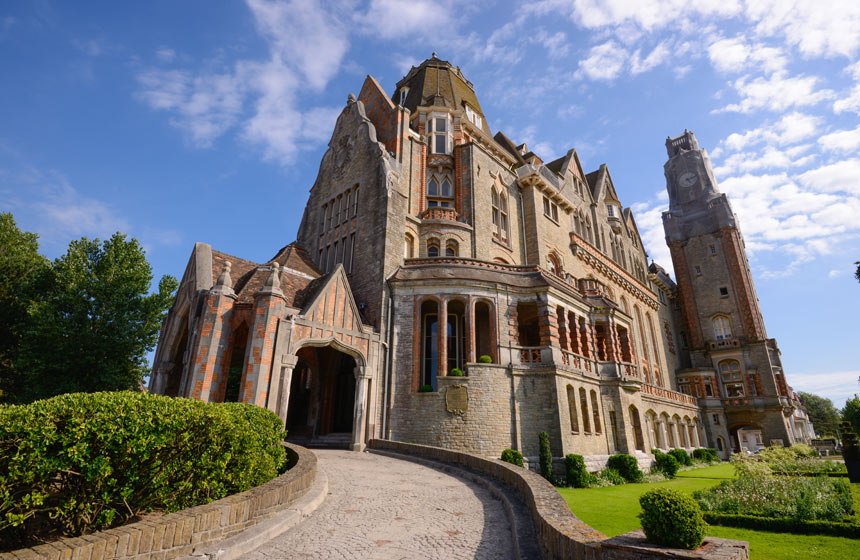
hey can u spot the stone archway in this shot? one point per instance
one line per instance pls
(325, 396)
(746, 436)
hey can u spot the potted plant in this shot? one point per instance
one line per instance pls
(851, 451)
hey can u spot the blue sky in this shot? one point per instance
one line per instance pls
(193, 121)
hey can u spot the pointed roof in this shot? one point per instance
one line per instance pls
(436, 82)
(332, 302)
(568, 162)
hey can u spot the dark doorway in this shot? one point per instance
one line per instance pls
(237, 364)
(322, 398)
(174, 376)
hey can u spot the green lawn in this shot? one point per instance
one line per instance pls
(613, 510)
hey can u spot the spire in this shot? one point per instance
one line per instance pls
(224, 284)
(273, 283)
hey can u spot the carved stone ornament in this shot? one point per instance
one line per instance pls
(457, 399)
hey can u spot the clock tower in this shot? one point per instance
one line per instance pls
(733, 362)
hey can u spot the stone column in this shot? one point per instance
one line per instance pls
(470, 331)
(268, 309)
(207, 369)
(442, 355)
(360, 411)
(288, 365)
(664, 428)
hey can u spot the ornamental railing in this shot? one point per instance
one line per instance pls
(668, 394)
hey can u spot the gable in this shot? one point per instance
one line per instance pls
(333, 304)
(381, 112)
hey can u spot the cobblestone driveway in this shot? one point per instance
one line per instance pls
(380, 507)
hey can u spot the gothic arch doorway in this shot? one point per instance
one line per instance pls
(322, 398)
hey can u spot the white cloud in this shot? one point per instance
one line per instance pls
(791, 128)
(657, 56)
(165, 54)
(850, 103)
(604, 62)
(736, 55)
(842, 176)
(393, 19)
(835, 273)
(646, 14)
(841, 140)
(777, 93)
(769, 158)
(814, 28)
(837, 386)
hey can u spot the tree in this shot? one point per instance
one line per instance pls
(823, 415)
(21, 269)
(857, 272)
(851, 413)
(93, 320)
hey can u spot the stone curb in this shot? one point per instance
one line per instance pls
(522, 530)
(253, 537)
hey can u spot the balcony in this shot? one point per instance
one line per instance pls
(576, 361)
(724, 344)
(682, 398)
(440, 213)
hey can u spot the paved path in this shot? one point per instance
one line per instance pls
(384, 508)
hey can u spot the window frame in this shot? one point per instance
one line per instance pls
(434, 135)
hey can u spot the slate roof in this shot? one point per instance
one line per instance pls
(298, 282)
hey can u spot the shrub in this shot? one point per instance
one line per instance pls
(671, 518)
(626, 466)
(80, 462)
(707, 455)
(574, 469)
(850, 442)
(426, 389)
(784, 525)
(611, 477)
(456, 372)
(666, 464)
(681, 456)
(750, 467)
(485, 359)
(545, 456)
(803, 450)
(513, 457)
(819, 498)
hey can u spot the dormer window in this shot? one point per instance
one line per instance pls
(439, 132)
(403, 92)
(611, 211)
(474, 117)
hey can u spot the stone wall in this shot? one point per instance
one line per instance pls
(560, 533)
(180, 534)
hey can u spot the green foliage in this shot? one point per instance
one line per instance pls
(425, 389)
(750, 467)
(91, 321)
(485, 359)
(574, 469)
(22, 270)
(803, 450)
(545, 456)
(707, 455)
(823, 415)
(784, 524)
(850, 443)
(80, 462)
(626, 466)
(671, 518)
(797, 458)
(666, 464)
(513, 457)
(780, 496)
(610, 477)
(851, 413)
(682, 457)
(456, 372)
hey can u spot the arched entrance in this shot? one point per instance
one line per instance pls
(748, 437)
(321, 407)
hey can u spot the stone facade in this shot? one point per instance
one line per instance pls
(428, 246)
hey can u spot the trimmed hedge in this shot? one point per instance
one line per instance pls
(545, 456)
(485, 359)
(671, 518)
(626, 466)
(785, 525)
(811, 473)
(426, 389)
(513, 457)
(706, 454)
(666, 464)
(78, 463)
(574, 470)
(456, 372)
(681, 456)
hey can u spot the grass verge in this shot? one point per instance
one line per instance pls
(613, 510)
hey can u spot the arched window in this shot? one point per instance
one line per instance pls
(583, 403)
(552, 264)
(485, 343)
(452, 249)
(571, 407)
(504, 233)
(429, 343)
(408, 246)
(730, 373)
(722, 327)
(636, 424)
(495, 204)
(433, 248)
(456, 336)
(595, 411)
(440, 193)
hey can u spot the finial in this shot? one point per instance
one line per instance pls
(273, 283)
(224, 285)
(350, 99)
(434, 54)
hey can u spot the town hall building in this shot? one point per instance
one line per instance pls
(448, 287)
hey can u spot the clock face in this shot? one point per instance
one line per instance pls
(688, 179)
